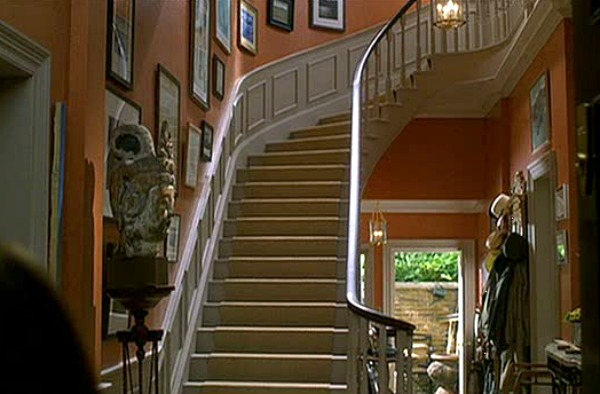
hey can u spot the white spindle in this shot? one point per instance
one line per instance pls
(455, 40)
(352, 370)
(390, 66)
(404, 361)
(505, 18)
(444, 48)
(403, 51)
(431, 28)
(377, 74)
(467, 27)
(418, 35)
(497, 21)
(382, 370)
(367, 90)
(400, 389)
(480, 21)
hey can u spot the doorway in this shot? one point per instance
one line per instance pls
(445, 299)
(543, 274)
(25, 148)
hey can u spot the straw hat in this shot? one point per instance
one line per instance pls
(500, 206)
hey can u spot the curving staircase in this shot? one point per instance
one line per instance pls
(276, 320)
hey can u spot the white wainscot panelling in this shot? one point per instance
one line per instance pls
(257, 105)
(322, 77)
(354, 55)
(285, 91)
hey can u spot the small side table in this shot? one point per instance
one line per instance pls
(564, 359)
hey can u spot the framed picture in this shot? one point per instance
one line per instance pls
(218, 77)
(200, 52)
(119, 110)
(561, 202)
(172, 239)
(120, 29)
(248, 28)
(281, 14)
(539, 101)
(562, 249)
(207, 141)
(194, 143)
(223, 24)
(167, 115)
(328, 14)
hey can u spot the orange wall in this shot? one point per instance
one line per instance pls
(554, 58)
(74, 31)
(432, 159)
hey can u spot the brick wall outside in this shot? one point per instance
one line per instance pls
(416, 303)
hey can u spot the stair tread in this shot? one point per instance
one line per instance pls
(282, 237)
(286, 218)
(271, 356)
(295, 167)
(291, 183)
(339, 136)
(278, 303)
(280, 258)
(282, 385)
(279, 280)
(325, 125)
(304, 152)
(326, 329)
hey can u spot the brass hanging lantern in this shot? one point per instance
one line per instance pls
(449, 14)
(377, 228)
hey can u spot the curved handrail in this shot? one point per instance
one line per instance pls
(354, 199)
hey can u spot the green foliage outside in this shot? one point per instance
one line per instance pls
(426, 267)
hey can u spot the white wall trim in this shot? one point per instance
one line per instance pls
(34, 60)
(424, 206)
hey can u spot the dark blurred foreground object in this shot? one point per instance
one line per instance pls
(40, 351)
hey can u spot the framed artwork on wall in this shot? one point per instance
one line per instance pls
(328, 14)
(119, 110)
(200, 52)
(194, 143)
(539, 102)
(121, 30)
(168, 98)
(207, 141)
(223, 24)
(172, 239)
(281, 14)
(218, 77)
(248, 27)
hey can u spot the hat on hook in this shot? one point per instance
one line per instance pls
(500, 206)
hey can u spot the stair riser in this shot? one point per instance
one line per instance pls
(265, 369)
(276, 190)
(300, 159)
(258, 389)
(300, 247)
(228, 291)
(307, 174)
(276, 269)
(322, 131)
(286, 316)
(296, 342)
(335, 118)
(299, 145)
(279, 227)
(264, 209)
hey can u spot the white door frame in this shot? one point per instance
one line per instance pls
(33, 62)
(466, 286)
(544, 273)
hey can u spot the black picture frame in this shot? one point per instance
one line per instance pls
(328, 14)
(207, 141)
(120, 43)
(540, 116)
(248, 27)
(171, 246)
(218, 74)
(168, 108)
(200, 40)
(280, 14)
(223, 24)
